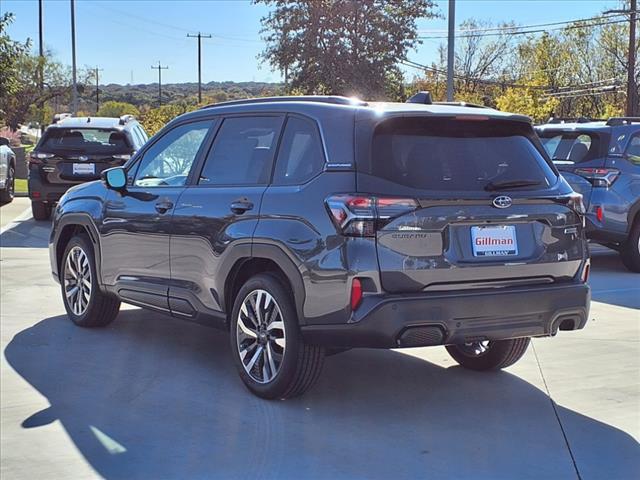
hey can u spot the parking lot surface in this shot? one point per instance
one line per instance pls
(151, 397)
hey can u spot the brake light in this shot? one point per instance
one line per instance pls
(356, 293)
(599, 177)
(362, 215)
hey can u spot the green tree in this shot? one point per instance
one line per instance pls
(11, 53)
(156, 118)
(117, 109)
(345, 47)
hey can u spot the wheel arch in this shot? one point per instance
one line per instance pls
(264, 258)
(69, 226)
(633, 215)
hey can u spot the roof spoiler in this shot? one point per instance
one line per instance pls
(423, 97)
(126, 118)
(613, 121)
(58, 117)
(574, 120)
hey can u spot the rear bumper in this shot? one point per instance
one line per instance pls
(457, 317)
(47, 192)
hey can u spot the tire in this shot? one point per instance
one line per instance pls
(275, 363)
(630, 251)
(96, 308)
(491, 355)
(7, 193)
(40, 210)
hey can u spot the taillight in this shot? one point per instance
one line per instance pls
(362, 215)
(356, 293)
(36, 158)
(600, 213)
(599, 177)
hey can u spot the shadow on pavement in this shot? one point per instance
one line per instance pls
(151, 397)
(610, 280)
(27, 234)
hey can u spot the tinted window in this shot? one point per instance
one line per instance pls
(570, 147)
(455, 155)
(85, 140)
(300, 156)
(168, 161)
(633, 149)
(243, 152)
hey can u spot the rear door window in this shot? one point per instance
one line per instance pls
(243, 151)
(411, 155)
(633, 149)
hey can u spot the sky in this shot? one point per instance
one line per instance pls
(126, 37)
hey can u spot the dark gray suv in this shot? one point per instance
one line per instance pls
(601, 160)
(305, 226)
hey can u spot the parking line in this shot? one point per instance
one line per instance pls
(26, 215)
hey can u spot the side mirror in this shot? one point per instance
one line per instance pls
(115, 178)
(4, 141)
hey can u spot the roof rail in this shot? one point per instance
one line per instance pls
(461, 104)
(333, 99)
(126, 118)
(613, 121)
(574, 120)
(422, 97)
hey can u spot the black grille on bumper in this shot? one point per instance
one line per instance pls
(420, 337)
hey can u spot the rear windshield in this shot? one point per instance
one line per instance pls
(570, 147)
(456, 155)
(85, 140)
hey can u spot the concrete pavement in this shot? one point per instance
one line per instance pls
(151, 397)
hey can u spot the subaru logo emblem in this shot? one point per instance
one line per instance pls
(83, 158)
(502, 201)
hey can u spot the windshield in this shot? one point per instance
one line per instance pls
(570, 147)
(85, 140)
(458, 155)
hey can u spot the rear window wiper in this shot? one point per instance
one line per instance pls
(507, 184)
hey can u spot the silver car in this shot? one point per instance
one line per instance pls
(7, 171)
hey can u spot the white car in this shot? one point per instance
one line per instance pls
(7, 171)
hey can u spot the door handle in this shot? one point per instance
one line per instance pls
(240, 206)
(164, 206)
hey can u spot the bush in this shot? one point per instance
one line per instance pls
(117, 109)
(156, 118)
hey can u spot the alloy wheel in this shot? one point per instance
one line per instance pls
(77, 280)
(260, 336)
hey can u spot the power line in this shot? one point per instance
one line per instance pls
(526, 32)
(517, 27)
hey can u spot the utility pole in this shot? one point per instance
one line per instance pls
(41, 63)
(451, 49)
(74, 88)
(199, 36)
(159, 68)
(632, 101)
(97, 73)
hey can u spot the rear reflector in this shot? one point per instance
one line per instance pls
(600, 213)
(35, 194)
(356, 293)
(585, 271)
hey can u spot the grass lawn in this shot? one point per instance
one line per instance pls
(21, 186)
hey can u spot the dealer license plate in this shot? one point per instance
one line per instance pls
(84, 168)
(494, 241)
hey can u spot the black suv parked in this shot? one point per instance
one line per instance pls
(308, 225)
(601, 160)
(76, 150)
